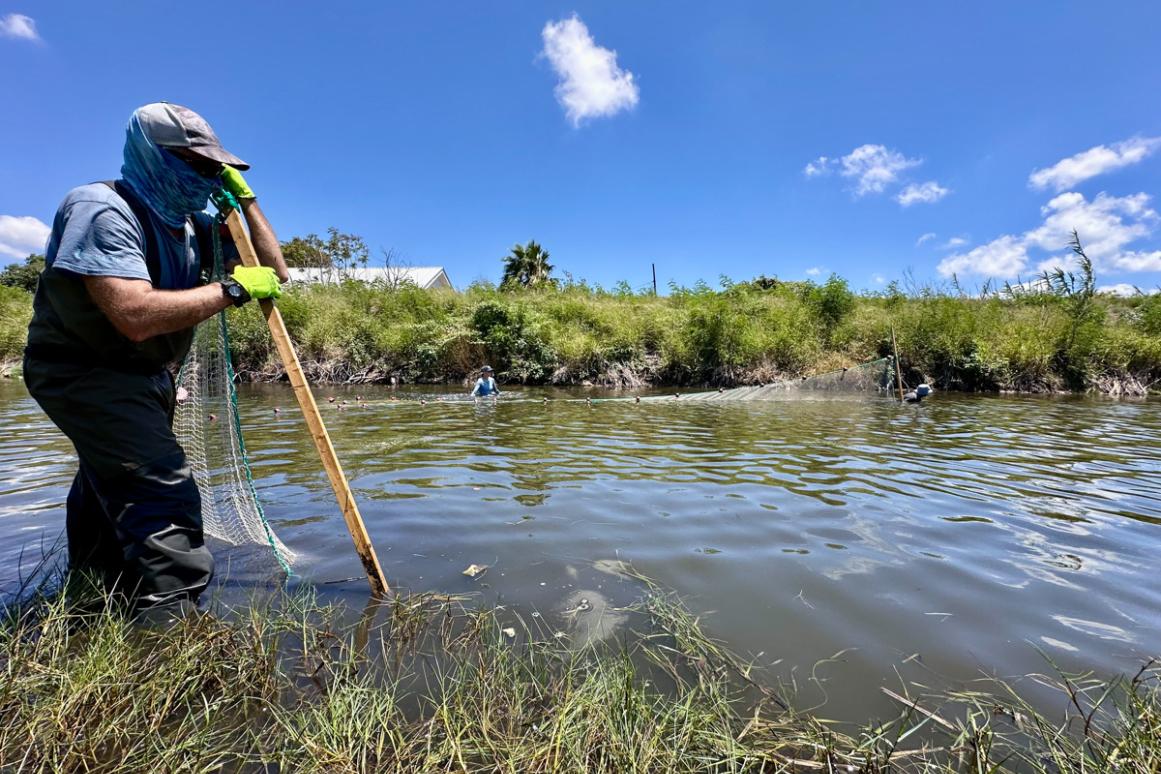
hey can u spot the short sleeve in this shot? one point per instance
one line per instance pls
(98, 240)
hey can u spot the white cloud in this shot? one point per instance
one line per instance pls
(874, 167)
(1003, 257)
(953, 243)
(591, 84)
(1137, 261)
(1065, 262)
(819, 166)
(1107, 225)
(1092, 162)
(22, 235)
(925, 238)
(1101, 223)
(878, 279)
(1122, 289)
(921, 193)
(16, 25)
(814, 271)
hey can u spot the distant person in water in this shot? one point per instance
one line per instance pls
(485, 385)
(918, 394)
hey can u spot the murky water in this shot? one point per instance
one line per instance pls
(968, 535)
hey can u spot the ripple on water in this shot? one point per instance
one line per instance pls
(954, 535)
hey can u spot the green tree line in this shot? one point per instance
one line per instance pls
(1055, 334)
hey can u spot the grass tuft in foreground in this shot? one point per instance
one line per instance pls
(428, 683)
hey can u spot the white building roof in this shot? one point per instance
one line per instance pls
(421, 276)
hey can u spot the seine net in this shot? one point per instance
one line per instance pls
(875, 376)
(209, 427)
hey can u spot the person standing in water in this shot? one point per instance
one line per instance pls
(485, 385)
(114, 313)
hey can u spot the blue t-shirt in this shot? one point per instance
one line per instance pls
(96, 234)
(485, 387)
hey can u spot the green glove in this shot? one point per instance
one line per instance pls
(259, 281)
(233, 182)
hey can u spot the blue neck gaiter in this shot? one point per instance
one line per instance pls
(166, 184)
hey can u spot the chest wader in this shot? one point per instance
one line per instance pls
(133, 520)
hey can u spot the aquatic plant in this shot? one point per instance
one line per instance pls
(427, 682)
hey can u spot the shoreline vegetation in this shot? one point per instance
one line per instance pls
(435, 683)
(1055, 333)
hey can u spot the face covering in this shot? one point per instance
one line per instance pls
(166, 184)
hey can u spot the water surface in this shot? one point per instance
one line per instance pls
(970, 535)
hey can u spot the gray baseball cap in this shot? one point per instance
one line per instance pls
(176, 126)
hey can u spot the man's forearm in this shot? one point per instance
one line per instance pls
(265, 241)
(140, 311)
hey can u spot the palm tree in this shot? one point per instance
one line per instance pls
(527, 266)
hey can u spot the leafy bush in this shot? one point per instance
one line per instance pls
(748, 332)
(15, 314)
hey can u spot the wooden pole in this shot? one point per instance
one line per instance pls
(654, 278)
(898, 365)
(314, 422)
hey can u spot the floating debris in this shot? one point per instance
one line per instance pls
(509, 632)
(590, 618)
(617, 567)
(475, 570)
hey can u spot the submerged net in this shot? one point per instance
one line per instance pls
(872, 376)
(208, 425)
(875, 376)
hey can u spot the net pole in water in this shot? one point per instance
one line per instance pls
(898, 365)
(314, 422)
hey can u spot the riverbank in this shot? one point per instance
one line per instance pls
(745, 333)
(426, 683)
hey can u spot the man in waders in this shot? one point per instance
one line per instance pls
(113, 314)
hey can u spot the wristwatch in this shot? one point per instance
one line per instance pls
(233, 290)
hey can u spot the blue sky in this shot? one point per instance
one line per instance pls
(788, 139)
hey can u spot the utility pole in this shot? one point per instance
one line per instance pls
(654, 278)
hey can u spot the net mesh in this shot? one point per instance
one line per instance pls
(873, 376)
(208, 425)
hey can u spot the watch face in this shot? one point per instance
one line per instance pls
(234, 290)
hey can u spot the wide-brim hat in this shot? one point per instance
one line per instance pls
(176, 126)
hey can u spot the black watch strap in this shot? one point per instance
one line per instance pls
(233, 290)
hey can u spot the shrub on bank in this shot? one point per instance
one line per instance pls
(15, 313)
(743, 333)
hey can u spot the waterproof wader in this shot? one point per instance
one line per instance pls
(134, 515)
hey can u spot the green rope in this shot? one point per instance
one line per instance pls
(219, 271)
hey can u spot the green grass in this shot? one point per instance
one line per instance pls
(744, 333)
(427, 683)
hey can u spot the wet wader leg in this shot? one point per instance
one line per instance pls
(157, 510)
(94, 548)
(135, 469)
